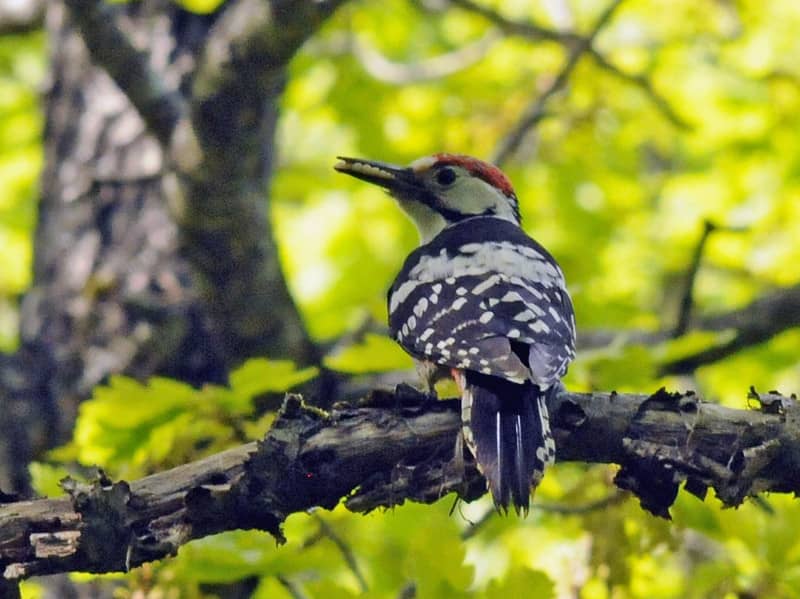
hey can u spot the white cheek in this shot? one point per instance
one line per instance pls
(471, 196)
(474, 196)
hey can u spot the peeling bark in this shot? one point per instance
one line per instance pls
(392, 448)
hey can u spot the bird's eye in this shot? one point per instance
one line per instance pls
(445, 176)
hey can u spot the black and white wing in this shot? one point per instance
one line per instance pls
(483, 296)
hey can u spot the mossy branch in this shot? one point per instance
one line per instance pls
(393, 447)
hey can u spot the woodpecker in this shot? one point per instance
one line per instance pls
(481, 301)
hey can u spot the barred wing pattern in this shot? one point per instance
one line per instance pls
(485, 297)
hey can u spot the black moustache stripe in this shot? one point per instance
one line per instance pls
(450, 216)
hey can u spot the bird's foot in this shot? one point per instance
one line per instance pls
(408, 396)
(404, 396)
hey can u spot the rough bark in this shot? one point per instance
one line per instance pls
(224, 221)
(397, 447)
(153, 250)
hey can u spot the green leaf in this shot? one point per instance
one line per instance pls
(30, 589)
(375, 354)
(627, 368)
(230, 556)
(260, 375)
(125, 422)
(130, 428)
(522, 583)
(692, 343)
(46, 478)
(691, 512)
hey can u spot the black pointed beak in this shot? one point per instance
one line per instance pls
(394, 178)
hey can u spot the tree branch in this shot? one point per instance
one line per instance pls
(687, 297)
(759, 321)
(224, 159)
(160, 108)
(646, 85)
(536, 32)
(527, 29)
(252, 30)
(396, 447)
(535, 112)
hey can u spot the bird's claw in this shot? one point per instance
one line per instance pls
(408, 396)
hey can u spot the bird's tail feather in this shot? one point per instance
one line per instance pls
(506, 429)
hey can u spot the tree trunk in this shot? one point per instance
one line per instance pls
(144, 265)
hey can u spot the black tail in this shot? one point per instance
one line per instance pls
(506, 428)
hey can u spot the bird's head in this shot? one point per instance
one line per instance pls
(440, 190)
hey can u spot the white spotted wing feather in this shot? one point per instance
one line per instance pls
(478, 296)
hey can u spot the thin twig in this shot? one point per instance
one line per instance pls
(536, 110)
(687, 298)
(585, 508)
(347, 553)
(478, 525)
(555, 508)
(536, 32)
(291, 587)
(526, 29)
(645, 85)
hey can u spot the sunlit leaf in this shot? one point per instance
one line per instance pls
(46, 478)
(610, 181)
(375, 354)
(260, 375)
(522, 583)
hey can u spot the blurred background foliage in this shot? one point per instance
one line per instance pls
(617, 181)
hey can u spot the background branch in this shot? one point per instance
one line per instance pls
(646, 85)
(761, 320)
(687, 297)
(755, 323)
(536, 110)
(536, 32)
(527, 29)
(396, 447)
